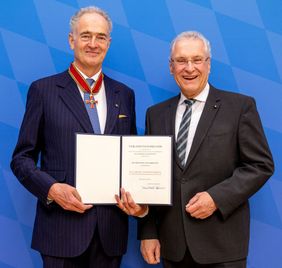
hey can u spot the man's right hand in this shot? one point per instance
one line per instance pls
(67, 197)
(151, 250)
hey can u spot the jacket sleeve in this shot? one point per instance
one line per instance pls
(255, 164)
(28, 148)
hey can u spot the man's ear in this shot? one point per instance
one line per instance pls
(209, 66)
(170, 67)
(71, 41)
(109, 43)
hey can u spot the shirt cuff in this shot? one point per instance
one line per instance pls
(49, 201)
(145, 213)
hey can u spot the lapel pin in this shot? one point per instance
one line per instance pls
(215, 106)
(116, 105)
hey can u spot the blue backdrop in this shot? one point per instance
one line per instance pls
(246, 37)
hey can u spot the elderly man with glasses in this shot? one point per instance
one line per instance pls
(221, 158)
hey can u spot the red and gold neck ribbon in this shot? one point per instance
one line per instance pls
(82, 83)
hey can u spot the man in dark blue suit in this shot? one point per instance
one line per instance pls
(67, 232)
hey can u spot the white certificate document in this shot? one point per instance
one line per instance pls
(146, 168)
(142, 165)
(97, 168)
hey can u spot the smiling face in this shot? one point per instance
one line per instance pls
(90, 41)
(191, 76)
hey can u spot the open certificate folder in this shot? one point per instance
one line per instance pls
(140, 164)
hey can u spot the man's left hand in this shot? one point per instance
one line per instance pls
(201, 206)
(128, 206)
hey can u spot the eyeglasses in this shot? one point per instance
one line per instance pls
(99, 38)
(184, 61)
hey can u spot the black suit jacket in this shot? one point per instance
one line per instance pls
(230, 159)
(54, 113)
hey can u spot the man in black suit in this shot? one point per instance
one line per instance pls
(67, 232)
(221, 158)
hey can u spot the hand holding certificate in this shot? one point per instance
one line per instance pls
(140, 164)
(128, 205)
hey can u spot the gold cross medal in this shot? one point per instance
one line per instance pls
(91, 101)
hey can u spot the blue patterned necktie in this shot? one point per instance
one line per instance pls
(92, 112)
(182, 136)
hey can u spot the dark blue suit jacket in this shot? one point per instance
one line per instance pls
(54, 113)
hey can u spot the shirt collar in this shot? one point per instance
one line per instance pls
(201, 97)
(94, 77)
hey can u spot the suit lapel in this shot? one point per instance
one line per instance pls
(170, 124)
(113, 104)
(72, 98)
(210, 110)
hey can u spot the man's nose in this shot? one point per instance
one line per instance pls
(189, 66)
(93, 41)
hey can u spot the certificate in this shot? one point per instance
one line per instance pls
(97, 168)
(146, 168)
(142, 165)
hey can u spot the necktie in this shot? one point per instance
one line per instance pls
(182, 136)
(92, 112)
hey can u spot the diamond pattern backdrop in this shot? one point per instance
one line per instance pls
(246, 39)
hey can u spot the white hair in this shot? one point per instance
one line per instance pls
(194, 35)
(89, 10)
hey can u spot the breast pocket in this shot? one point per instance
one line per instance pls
(123, 125)
(222, 140)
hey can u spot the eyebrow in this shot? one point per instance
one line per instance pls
(88, 32)
(193, 57)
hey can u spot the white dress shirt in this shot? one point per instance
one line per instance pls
(101, 98)
(197, 109)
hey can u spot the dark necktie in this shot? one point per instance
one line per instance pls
(92, 112)
(182, 136)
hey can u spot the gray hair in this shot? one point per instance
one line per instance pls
(194, 36)
(89, 10)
